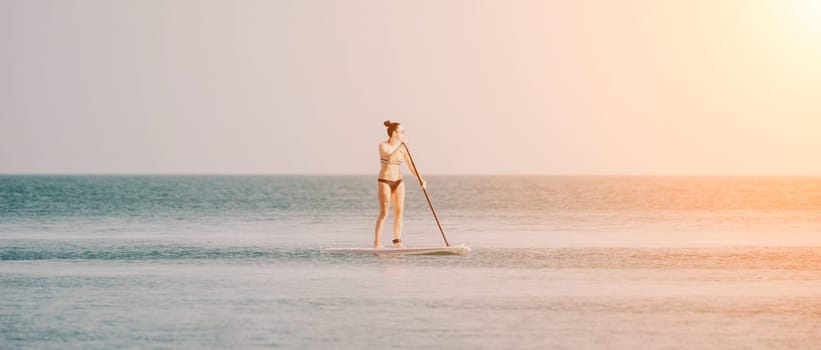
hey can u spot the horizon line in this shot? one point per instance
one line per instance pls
(431, 174)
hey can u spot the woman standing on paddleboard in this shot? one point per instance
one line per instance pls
(390, 187)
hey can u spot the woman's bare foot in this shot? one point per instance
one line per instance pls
(378, 245)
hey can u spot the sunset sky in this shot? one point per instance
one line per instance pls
(481, 87)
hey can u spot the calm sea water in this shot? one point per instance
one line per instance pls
(192, 262)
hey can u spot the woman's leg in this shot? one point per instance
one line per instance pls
(398, 199)
(383, 192)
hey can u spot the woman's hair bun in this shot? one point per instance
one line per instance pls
(387, 123)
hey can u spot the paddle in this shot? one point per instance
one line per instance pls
(419, 177)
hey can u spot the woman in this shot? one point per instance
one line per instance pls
(390, 187)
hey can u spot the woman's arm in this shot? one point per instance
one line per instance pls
(412, 167)
(384, 148)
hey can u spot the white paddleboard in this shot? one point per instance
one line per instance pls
(452, 250)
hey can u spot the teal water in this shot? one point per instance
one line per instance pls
(179, 262)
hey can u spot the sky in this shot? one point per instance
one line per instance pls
(481, 87)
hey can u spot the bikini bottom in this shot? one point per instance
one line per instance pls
(394, 184)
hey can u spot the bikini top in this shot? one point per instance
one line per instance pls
(388, 162)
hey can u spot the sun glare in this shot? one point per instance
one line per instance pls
(806, 16)
(796, 31)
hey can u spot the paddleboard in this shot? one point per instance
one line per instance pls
(452, 250)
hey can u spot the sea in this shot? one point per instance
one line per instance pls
(557, 262)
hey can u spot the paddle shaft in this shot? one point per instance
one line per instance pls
(419, 177)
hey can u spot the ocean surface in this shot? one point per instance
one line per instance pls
(234, 262)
